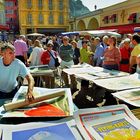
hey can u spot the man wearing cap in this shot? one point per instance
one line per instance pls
(10, 69)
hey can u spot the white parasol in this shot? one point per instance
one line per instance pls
(35, 34)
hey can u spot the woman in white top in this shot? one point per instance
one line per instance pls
(35, 57)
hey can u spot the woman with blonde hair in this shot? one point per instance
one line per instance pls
(125, 55)
(112, 55)
(35, 57)
(76, 55)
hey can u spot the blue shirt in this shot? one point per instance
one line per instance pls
(104, 45)
(9, 74)
(52, 62)
(98, 54)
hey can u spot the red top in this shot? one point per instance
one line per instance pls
(112, 57)
(45, 57)
(125, 54)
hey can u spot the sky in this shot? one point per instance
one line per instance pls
(100, 3)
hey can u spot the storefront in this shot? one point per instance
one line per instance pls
(122, 29)
(4, 28)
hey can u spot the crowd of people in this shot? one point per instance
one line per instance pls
(106, 52)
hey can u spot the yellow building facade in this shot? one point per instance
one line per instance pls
(123, 17)
(43, 16)
(2, 12)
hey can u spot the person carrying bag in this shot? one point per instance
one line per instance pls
(55, 59)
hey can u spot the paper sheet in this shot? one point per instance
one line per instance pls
(82, 116)
(42, 131)
(101, 127)
(129, 96)
(56, 107)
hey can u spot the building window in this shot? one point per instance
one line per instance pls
(132, 17)
(29, 4)
(40, 4)
(71, 26)
(50, 5)
(9, 11)
(1, 18)
(113, 18)
(29, 18)
(61, 5)
(7, 19)
(51, 18)
(40, 18)
(61, 19)
(15, 3)
(106, 19)
(9, 4)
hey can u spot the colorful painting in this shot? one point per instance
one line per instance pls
(84, 116)
(105, 128)
(56, 132)
(60, 106)
(100, 128)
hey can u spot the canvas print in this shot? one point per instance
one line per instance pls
(120, 83)
(130, 96)
(55, 130)
(50, 132)
(83, 116)
(60, 106)
(96, 72)
(98, 129)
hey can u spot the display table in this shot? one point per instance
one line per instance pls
(40, 72)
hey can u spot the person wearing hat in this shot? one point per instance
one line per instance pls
(48, 58)
(76, 55)
(125, 51)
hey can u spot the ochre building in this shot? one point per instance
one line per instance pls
(3, 26)
(43, 16)
(124, 17)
